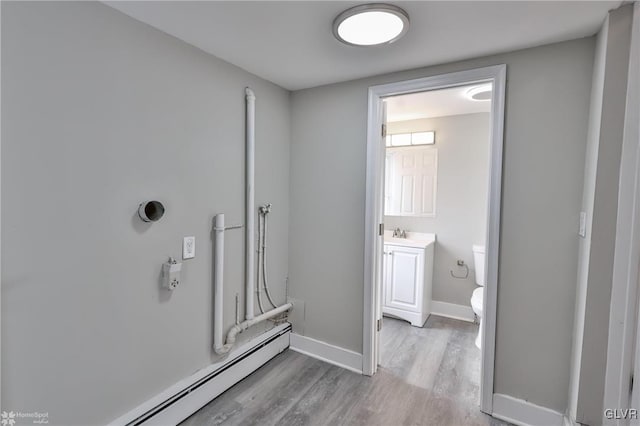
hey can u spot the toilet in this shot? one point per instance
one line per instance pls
(477, 297)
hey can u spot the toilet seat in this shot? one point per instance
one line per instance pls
(476, 300)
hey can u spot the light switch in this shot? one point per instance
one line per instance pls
(189, 247)
(582, 231)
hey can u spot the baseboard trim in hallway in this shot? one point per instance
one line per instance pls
(451, 310)
(187, 396)
(327, 352)
(524, 413)
(568, 421)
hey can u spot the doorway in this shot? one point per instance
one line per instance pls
(377, 141)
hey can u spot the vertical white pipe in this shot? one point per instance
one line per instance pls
(218, 282)
(250, 203)
(222, 346)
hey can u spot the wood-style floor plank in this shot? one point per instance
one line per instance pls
(427, 376)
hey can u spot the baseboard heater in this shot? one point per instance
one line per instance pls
(189, 395)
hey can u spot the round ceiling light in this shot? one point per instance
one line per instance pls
(371, 24)
(480, 93)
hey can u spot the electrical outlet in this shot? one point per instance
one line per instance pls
(189, 247)
(171, 274)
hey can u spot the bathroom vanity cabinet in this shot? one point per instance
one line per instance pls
(408, 278)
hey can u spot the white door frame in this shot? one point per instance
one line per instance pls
(623, 349)
(374, 210)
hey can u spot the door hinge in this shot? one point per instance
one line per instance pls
(379, 324)
(384, 130)
(381, 229)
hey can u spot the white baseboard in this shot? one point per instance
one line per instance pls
(326, 352)
(451, 310)
(523, 413)
(184, 398)
(568, 421)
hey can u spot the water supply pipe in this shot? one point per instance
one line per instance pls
(259, 292)
(218, 281)
(264, 211)
(221, 345)
(260, 254)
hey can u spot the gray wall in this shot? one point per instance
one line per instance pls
(601, 201)
(588, 193)
(462, 142)
(99, 113)
(547, 107)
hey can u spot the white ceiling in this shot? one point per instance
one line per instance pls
(435, 103)
(291, 44)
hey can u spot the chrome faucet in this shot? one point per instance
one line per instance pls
(264, 210)
(398, 233)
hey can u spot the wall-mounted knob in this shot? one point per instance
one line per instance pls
(151, 211)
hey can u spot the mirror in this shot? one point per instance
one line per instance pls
(411, 174)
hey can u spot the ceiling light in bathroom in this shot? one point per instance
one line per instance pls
(371, 24)
(480, 93)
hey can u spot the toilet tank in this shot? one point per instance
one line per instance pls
(478, 261)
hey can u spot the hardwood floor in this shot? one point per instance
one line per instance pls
(427, 376)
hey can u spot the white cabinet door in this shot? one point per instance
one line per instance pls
(404, 278)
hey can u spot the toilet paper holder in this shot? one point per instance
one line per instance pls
(460, 263)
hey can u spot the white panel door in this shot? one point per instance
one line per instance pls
(404, 278)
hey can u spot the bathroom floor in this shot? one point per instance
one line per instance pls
(427, 376)
(440, 357)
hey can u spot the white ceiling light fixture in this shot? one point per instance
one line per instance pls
(480, 93)
(371, 24)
